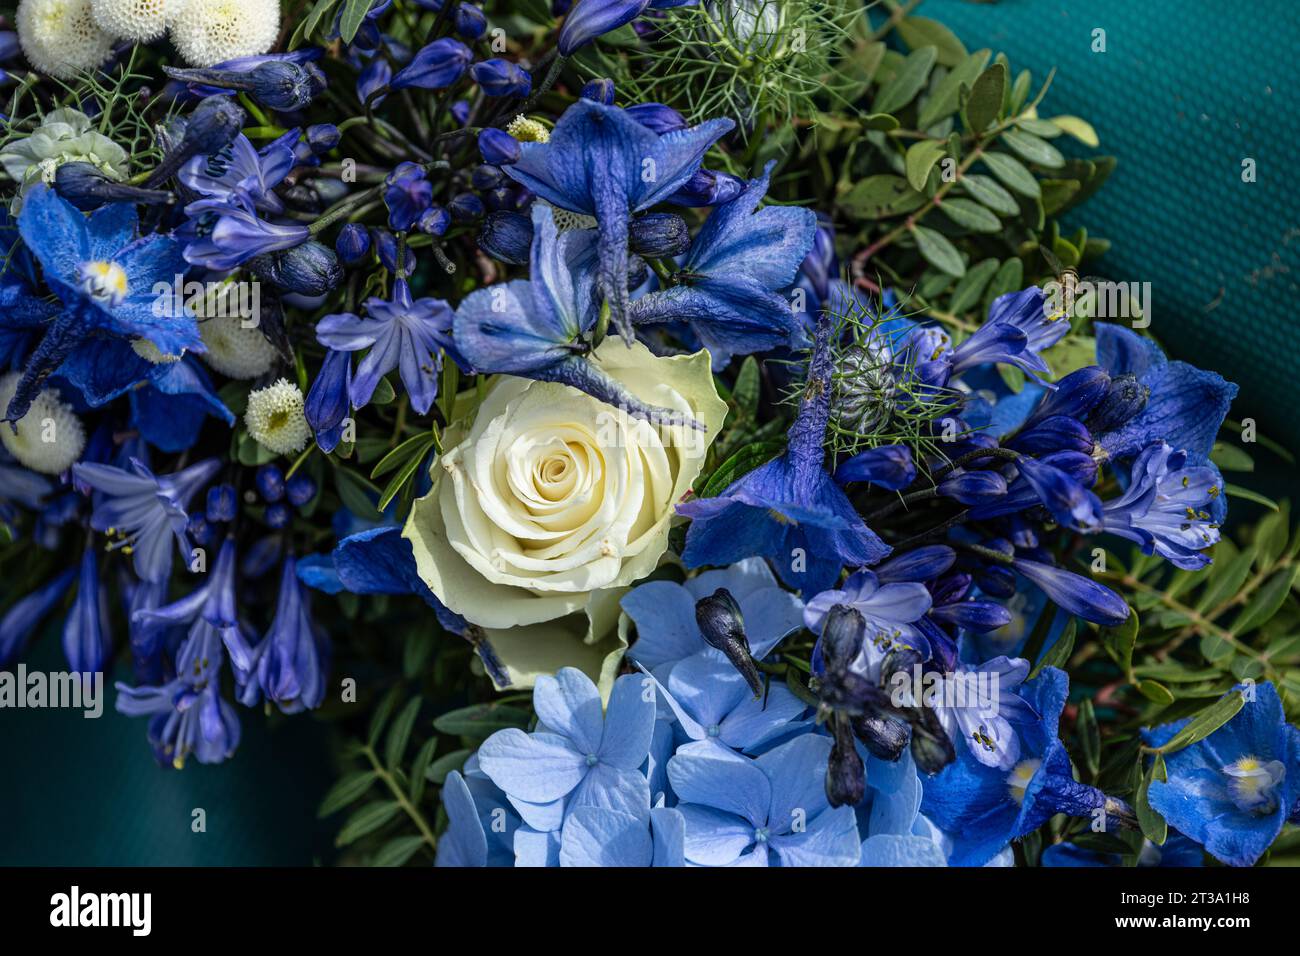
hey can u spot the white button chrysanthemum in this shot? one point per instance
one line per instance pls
(49, 437)
(275, 420)
(206, 32)
(60, 37)
(139, 20)
(233, 349)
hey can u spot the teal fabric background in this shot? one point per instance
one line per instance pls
(1184, 92)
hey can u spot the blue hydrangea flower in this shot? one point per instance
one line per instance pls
(760, 812)
(731, 275)
(1232, 791)
(1165, 507)
(406, 334)
(601, 162)
(145, 512)
(576, 758)
(471, 838)
(788, 510)
(897, 834)
(105, 278)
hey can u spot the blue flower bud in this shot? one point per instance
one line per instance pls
(657, 117)
(1124, 400)
(889, 466)
(375, 76)
(708, 188)
(435, 67)
(498, 147)
(460, 111)
(1057, 433)
(466, 207)
(470, 21)
(919, 564)
(322, 137)
(300, 490)
(353, 243)
(1071, 504)
(386, 247)
(1075, 593)
(87, 187)
(723, 627)
(599, 91)
(276, 84)
(213, 125)
(223, 505)
(978, 616)
(841, 639)
(501, 78)
(996, 581)
(486, 177)
(310, 268)
(328, 401)
(590, 19)
(974, 487)
(200, 530)
(434, 221)
(277, 515)
(931, 748)
(407, 193)
(507, 236)
(846, 776)
(269, 480)
(659, 235)
(1075, 395)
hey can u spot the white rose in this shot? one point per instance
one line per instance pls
(548, 502)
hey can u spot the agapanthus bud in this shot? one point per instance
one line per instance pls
(322, 137)
(328, 401)
(498, 147)
(973, 487)
(919, 564)
(1075, 395)
(1056, 433)
(485, 177)
(276, 84)
(434, 67)
(842, 635)
(889, 466)
(657, 117)
(353, 243)
(501, 78)
(1075, 593)
(470, 21)
(846, 776)
(996, 581)
(708, 188)
(1125, 399)
(374, 77)
(277, 515)
(723, 627)
(300, 489)
(386, 248)
(87, 187)
(659, 235)
(465, 207)
(590, 19)
(884, 737)
(201, 530)
(507, 236)
(407, 194)
(310, 268)
(222, 504)
(599, 91)
(1071, 504)
(212, 126)
(434, 221)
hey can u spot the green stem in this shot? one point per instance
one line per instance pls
(409, 808)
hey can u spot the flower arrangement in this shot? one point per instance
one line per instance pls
(652, 433)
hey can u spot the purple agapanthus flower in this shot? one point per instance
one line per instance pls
(241, 167)
(144, 512)
(224, 233)
(1018, 330)
(404, 333)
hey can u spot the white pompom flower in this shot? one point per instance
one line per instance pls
(235, 350)
(49, 438)
(207, 32)
(138, 20)
(275, 418)
(61, 38)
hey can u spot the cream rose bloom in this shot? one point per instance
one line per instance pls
(547, 503)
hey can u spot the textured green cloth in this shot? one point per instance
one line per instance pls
(1186, 90)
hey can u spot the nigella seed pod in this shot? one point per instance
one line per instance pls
(599, 91)
(884, 737)
(87, 187)
(1125, 399)
(270, 483)
(507, 236)
(864, 396)
(311, 268)
(659, 235)
(846, 775)
(723, 627)
(222, 504)
(353, 243)
(842, 635)
(498, 148)
(470, 21)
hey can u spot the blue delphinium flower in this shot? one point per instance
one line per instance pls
(759, 812)
(576, 758)
(105, 278)
(405, 334)
(789, 509)
(145, 512)
(982, 808)
(1164, 508)
(536, 329)
(1232, 791)
(601, 162)
(731, 274)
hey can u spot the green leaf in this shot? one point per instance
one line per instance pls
(1266, 602)
(741, 463)
(986, 190)
(414, 446)
(367, 820)
(354, 13)
(380, 716)
(1009, 278)
(1059, 653)
(1033, 149)
(946, 96)
(1155, 692)
(438, 770)
(1205, 723)
(938, 251)
(746, 393)
(1012, 174)
(420, 769)
(880, 195)
(1226, 579)
(921, 157)
(1080, 129)
(1119, 641)
(384, 393)
(971, 215)
(984, 105)
(347, 790)
(1153, 825)
(907, 82)
(307, 28)
(398, 851)
(1089, 737)
(480, 721)
(399, 735)
(399, 481)
(355, 492)
(969, 287)
(919, 32)
(1237, 491)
